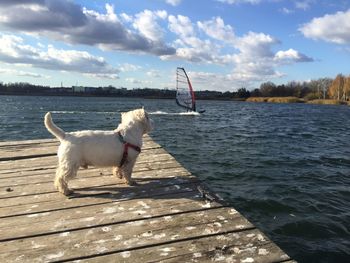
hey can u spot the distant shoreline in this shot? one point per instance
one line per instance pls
(106, 95)
(77, 95)
(296, 100)
(250, 99)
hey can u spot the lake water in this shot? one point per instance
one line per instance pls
(285, 167)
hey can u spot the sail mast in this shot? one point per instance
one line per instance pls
(191, 91)
(184, 91)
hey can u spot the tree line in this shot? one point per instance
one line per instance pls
(322, 88)
(21, 88)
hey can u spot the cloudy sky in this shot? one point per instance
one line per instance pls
(223, 44)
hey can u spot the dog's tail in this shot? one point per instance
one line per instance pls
(51, 127)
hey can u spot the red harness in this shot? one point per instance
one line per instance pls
(126, 148)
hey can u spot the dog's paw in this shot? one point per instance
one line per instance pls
(67, 192)
(131, 183)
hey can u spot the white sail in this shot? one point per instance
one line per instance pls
(184, 93)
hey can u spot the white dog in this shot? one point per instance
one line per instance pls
(118, 148)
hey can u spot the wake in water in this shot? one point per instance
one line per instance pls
(190, 113)
(83, 112)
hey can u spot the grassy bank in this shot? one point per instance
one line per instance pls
(296, 100)
(275, 99)
(328, 102)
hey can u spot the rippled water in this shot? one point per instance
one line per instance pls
(284, 166)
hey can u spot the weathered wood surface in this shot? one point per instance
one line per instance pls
(164, 218)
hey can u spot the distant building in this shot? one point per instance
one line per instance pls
(60, 90)
(90, 89)
(78, 89)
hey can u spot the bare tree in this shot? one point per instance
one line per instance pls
(336, 90)
(347, 88)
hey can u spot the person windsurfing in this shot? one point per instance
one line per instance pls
(185, 97)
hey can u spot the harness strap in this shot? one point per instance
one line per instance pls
(126, 148)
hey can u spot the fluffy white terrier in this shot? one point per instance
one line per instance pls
(118, 148)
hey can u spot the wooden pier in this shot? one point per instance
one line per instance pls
(169, 216)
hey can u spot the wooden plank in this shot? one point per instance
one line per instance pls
(42, 203)
(101, 214)
(17, 151)
(35, 162)
(21, 153)
(114, 237)
(42, 174)
(164, 218)
(47, 175)
(84, 184)
(27, 142)
(146, 138)
(240, 246)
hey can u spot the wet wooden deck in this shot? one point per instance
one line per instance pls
(164, 218)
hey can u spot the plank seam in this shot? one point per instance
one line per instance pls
(155, 244)
(191, 179)
(111, 201)
(108, 224)
(15, 158)
(176, 166)
(210, 251)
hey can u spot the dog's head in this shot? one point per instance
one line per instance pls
(138, 116)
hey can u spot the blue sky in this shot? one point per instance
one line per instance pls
(223, 44)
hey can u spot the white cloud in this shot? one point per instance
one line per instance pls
(126, 18)
(286, 10)
(212, 81)
(126, 67)
(153, 73)
(110, 15)
(291, 55)
(334, 28)
(252, 56)
(102, 75)
(256, 60)
(189, 46)
(146, 23)
(231, 2)
(304, 5)
(21, 73)
(67, 21)
(14, 51)
(181, 25)
(161, 14)
(138, 81)
(217, 29)
(173, 2)
(256, 45)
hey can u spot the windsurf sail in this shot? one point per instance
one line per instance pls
(184, 92)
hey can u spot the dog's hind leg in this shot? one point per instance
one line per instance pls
(63, 174)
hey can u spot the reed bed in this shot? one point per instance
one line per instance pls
(275, 99)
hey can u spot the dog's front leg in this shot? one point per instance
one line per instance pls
(126, 171)
(117, 172)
